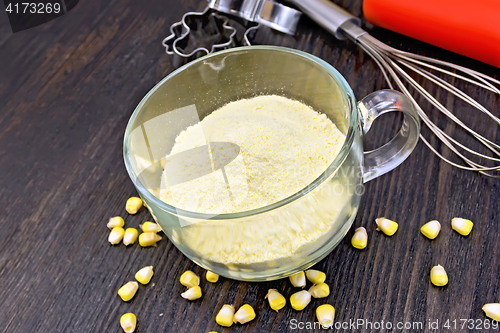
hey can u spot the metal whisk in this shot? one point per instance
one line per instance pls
(395, 65)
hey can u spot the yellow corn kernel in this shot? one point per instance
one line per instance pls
(149, 239)
(276, 300)
(431, 229)
(360, 238)
(116, 221)
(130, 236)
(128, 322)
(116, 235)
(438, 276)
(133, 205)
(150, 227)
(325, 314)
(300, 299)
(298, 280)
(492, 310)
(192, 293)
(462, 226)
(189, 279)
(315, 276)
(225, 315)
(320, 290)
(212, 277)
(144, 275)
(244, 314)
(128, 290)
(387, 226)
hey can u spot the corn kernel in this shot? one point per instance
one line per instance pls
(150, 227)
(325, 314)
(116, 235)
(128, 290)
(225, 315)
(492, 310)
(189, 279)
(320, 290)
(130, 236)
(192, 293)
(462, 226)
(212, 277)
(149, 239)
(431, 229)
(387, 226)
(128, 322)
(438, 276)
(244, 314)
(300, 299)
(144, 275)
(116, 221)
(298, 280)
(315, 276)
(360, 238)
(133, 205)
(276, 300)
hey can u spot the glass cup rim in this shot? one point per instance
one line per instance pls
(333, 167)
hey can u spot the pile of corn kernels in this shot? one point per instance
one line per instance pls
(430, 230)
(148, 237)
(228, 315)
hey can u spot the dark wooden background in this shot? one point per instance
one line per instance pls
(67, 89)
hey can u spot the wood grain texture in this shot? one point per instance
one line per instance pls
(67, 89)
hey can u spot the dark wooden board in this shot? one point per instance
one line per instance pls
(67, 89)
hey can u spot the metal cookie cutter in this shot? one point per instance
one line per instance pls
(201, 33)
(265, 12)
(198, 34)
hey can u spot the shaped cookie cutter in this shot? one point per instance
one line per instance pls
(216, 33)
(211, 28)
(265, 12)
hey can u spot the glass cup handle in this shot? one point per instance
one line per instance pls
(384, 159)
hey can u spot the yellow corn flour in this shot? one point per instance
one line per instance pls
(284, 145)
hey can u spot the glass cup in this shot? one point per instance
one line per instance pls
(290, 235)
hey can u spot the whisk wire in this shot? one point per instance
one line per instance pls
(444, 110)
(390, 60)
(454, 90)
(386, 48)
(483, 83)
